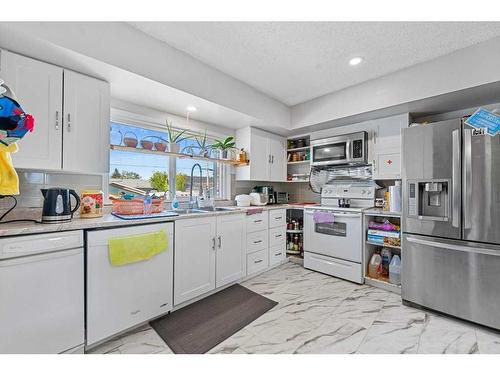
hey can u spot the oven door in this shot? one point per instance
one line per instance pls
(341, 239)
(328, 153)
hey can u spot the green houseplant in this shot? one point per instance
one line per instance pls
(224, 145)
(175, 137)
(201, 148)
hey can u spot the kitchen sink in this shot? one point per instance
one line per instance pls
(189, 211)
(213, 209)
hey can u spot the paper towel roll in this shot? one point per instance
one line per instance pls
(395, 198)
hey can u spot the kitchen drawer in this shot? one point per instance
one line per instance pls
(277, 254)
(333, 266)
(257, 261)
(257, 241)
(277, 218)
(257, 222)
(277, 236)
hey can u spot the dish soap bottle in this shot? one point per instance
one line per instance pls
(175, 203)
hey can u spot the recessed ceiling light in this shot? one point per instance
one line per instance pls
(355, 61)
(191, 109)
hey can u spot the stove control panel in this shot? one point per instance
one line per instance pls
(348, 191)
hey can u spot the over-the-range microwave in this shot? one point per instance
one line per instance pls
(343, 149)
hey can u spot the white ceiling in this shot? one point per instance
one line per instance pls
(298, 61)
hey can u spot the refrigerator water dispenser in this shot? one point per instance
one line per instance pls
(429, 200)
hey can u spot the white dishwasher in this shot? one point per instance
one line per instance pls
(42, 293)
(121, 297)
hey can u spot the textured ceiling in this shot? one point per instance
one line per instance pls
(298, 61)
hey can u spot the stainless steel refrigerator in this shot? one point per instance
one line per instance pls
(451, 220)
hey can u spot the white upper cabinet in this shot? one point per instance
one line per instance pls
(267, 155)
(38, 88)
(72, 137)
(86, 124)
(277, 150)
(386, 143)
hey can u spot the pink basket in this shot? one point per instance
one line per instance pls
(135, 206)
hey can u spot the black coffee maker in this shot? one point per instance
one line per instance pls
(57, 205)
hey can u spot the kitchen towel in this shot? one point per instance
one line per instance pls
(132, 249)
(323, 217)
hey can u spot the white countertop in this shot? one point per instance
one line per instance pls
(110, 221)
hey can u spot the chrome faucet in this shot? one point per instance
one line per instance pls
(200, 193)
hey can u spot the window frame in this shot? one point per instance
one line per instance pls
(221, 171)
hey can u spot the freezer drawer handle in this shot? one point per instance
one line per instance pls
(466, 249)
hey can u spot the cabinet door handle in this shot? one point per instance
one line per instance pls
(278, 235)
(213, 243)
(259, 241)
(57, 120)
(272, 159)
(258, 261)
(269, 158)
(257, 221)
(278, 218)
(220, 241)
(69, 122)
(278, 254)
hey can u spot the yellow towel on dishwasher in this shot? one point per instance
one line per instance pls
(132, 249)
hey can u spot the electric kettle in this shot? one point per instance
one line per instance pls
(57, 205)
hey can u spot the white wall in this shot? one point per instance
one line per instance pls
(466, 68)
(123, 46)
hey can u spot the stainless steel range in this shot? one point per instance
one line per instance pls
(451, 216)
(333, 231)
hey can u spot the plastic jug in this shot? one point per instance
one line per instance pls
(375, 266)
(395, 270)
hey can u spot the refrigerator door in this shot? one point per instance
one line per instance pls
(455, 277)
(431, 157)
(481, 187)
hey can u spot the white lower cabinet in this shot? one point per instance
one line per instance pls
(277, 254)
(120, 297)
(230, 257)
(194, 266)
(257, 261)
(209, 253)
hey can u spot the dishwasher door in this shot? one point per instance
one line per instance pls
(41, 295)
(121, 297)
(459, 278)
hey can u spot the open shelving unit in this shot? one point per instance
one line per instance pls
(179, 155)
(370, 247)
(298, 170)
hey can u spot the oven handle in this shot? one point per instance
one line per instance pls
(339, 214)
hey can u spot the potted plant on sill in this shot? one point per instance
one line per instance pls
(224, 146)
(175, 137)
(201, 148)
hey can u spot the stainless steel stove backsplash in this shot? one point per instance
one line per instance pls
(30, 183)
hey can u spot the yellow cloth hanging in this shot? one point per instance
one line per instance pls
(132, 249)
(9, 181)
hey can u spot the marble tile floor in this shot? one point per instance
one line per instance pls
(321, 314)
